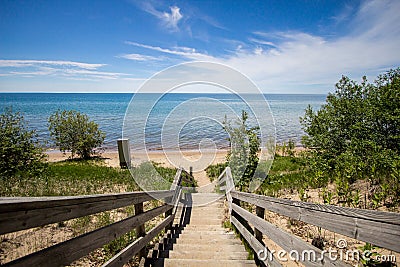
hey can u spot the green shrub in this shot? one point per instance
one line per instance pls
(20, 150)
(358, 124)
(73, 131)
(244, 147)
(356, 134)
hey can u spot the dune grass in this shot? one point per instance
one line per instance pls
(87, 177)
(287, 172)
(80, 177)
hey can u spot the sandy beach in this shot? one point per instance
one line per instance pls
(167, 159)
(186, 159)
(198, 160)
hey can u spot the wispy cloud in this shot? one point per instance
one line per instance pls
(344, 15)
(139, 57)
(262, 42)
(169, 19)
(172, 19)
(27, 63)
(295, 61)
(186, 52)
(180, 18)
(66, 69)
(298, 59)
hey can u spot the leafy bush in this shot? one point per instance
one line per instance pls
(245, 144)
(73, 131)
(20, 150)
(359, 122)
(356, 134)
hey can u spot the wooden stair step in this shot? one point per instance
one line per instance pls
(207, 263)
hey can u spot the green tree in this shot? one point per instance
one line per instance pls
(20, 149)
(74, 132)
(245, 145)
(356, 134)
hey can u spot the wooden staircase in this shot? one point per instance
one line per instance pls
(198, 238)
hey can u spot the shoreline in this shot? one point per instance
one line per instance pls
(172, 158)
(167, 158)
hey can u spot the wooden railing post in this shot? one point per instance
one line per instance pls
(227, 176)
(176, 187)
(168, 213)
(260, 212)
(237, 202)
(24, 213)
(140, 230)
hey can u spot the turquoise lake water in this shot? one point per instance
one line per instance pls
(171, 114)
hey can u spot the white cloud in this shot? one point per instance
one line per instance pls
(294, 61)
(66, 69)
(262, 42)
(186, 52)
(290, 61)
(258, 51)
(90, 73)
(302, 62)
(139, 57)
(28, 63)
(169, 19)
(172, 19)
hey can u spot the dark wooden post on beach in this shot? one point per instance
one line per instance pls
(140, 230)
(191, 171)
(124, 153)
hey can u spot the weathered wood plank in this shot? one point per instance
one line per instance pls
(254, 243)
(140, 229)
(66, 252)
(260, 212)
(229, 180)
(26, 203)
(177, 179)
(127, 253)
(30, 212)
(221, 177)
(382, 230)
(372, 215)
(287, 241)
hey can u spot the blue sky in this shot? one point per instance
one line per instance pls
(114, 46)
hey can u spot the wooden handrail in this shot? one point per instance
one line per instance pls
(376, 227)
(68, 251)
(382, 230)
(255, 244)
(127, 253)
(286, 206)
(27, 212)
(283, 239)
